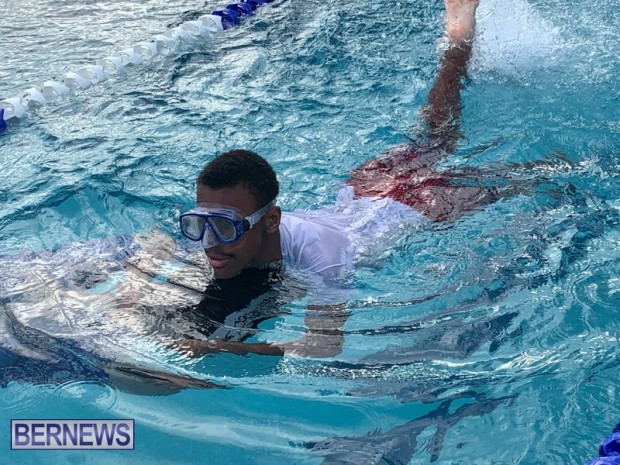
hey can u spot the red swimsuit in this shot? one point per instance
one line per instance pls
(405, 174)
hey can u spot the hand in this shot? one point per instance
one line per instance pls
(197, 347)
(461, 19)
(312, 348)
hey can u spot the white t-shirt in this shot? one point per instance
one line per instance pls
(328, 241)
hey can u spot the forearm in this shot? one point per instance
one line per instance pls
(324, 337)
(311, 345)
(199, 347)
(444, 101)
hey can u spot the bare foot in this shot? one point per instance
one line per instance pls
(461, 19)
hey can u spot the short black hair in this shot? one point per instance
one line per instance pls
(242, 167)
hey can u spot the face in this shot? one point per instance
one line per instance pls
(259, 245)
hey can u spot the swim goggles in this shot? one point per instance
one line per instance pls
(219, 224)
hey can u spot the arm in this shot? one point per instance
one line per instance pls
(324, 338)
(444, 101)
(157, 267)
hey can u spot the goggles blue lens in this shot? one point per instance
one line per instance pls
(224, 225)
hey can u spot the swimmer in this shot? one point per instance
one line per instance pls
(241, 227)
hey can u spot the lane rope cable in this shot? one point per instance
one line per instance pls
(203, 28)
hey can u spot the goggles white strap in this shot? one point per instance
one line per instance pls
(256, 216)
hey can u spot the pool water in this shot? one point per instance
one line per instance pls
(490, 340)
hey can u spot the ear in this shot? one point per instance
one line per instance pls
(272, 220)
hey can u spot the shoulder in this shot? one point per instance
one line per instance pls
(310, 245)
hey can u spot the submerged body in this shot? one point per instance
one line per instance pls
(404, 181)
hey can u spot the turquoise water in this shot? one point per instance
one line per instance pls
(491, 340)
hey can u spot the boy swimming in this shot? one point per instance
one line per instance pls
(240, 225)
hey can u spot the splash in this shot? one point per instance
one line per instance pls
(511, 38)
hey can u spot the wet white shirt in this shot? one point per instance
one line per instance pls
(329, 241)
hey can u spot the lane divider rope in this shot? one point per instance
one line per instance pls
(86, 76)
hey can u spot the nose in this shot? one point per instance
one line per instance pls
(209, 239)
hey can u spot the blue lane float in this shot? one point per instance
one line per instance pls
(203, 28)
(609, 450)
